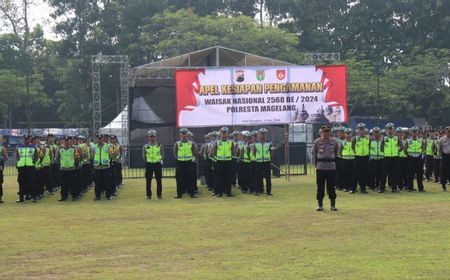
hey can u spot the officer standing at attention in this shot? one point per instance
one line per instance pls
(390, 147)
(414, 148)
(245, 166)
(184, 150)
(3, 158)
(102, 179)
(324, 151)
(26, 156)
(402, 159)
(66, 156)
(340, 131)
(262, 150)
(437, 157)
(444, 147)
(360, 145)
(153, 154)
(223, 151)
(429, 155)
(376, 160)
(347, 155)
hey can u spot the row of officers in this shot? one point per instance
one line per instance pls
(71, 165)
(231, 159)
(373, 159)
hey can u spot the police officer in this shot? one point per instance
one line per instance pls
(26, 157)
(3, 158)
(262, 150)
(414, 148)
(67, 163)
(437, 157)
(194, 162)
(340, 137)
(444, 147)
(235, 138)
(102, 163)
(184, 150)
(38, 165)
(245, 165)
(376, 160)
(324, 151)
(390, 148)
(153, 154)
(85, 159)
(402, 159)
(360, 145)
(223, 151)
(429, 155)
(347, 159)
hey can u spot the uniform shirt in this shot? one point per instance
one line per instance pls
(325, 149)
(444, 145)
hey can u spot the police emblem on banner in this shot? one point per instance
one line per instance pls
(281, 74)
(239, 76)
(260, 75)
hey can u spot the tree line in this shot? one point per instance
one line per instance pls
(397, 52)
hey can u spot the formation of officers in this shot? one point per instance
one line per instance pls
(237, 159)
(372, 159)
(69, 164)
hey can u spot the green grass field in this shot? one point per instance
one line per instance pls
(375, 236)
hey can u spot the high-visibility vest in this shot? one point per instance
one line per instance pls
(246, 156)
(402, 153)
(252, 156)
(67, 158)
(391, 146)
(26, 154)
(362, 146)
(85, 153)
(429, 149)
(153, 153)
(38, 163)
(415, 147)
(184, 152)
(375, 150)
(101, 155)
(347, 151)
(46, 161)
(262, 152)
(224, 151)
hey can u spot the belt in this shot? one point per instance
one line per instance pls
(414, 156)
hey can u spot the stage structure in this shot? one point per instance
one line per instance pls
(122, 60)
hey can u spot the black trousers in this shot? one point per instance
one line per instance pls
(428, 166)
(39, 184)
(263, 173)
(26, 179)
(184, 178)
(347, 166)
(194, 175)
(150, 170)
(1, 182)
(224, 176)
(239, 173)
(245, 177)
(415, 168)
(113, 174)
(339, 174)
(209, 174)
(375, 171)
(325, 178)
(53, 176)
(102, 179)
(119, 173)
(361, 172)
(390, 173)
(402, 168)
(68, 183)
(84, 177)
(445, 169)
(437, 169)
(234, 171)
(45, 173)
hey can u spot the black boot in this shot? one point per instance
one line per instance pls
(320, 205)
(333, 205)
(1, 200)
(20, 199)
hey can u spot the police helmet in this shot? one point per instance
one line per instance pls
(348, 130)
(224, 129)
(151, 132)
(262, 130)
(376, 129)
(389, 125)
(183, 130)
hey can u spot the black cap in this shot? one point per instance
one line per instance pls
(325, 128)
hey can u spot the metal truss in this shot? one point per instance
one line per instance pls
(332, 57)
(97, 61)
